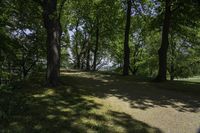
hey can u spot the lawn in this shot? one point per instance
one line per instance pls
(103, 103)
(192, 79)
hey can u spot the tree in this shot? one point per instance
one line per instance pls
(178, 16)
(162, 52)
(51, 19)
(22, 36)
(126, 40)
(97, 41)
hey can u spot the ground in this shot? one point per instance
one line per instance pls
(103, 103)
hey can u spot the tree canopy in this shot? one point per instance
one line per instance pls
(150, 38)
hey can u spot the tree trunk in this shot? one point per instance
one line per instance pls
(96, 47)
(126, 40)
(88, 58)
(162, 52)
(53, 29)
(83, 61)
(76, 46)
(83, 56)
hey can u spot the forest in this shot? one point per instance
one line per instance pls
(124, 66)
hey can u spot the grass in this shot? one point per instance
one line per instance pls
(91, 102)
(192, 79)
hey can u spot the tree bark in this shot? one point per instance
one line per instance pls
(76, 46)
(88, 58)
(53, 28)
(126, 40)
(96, 47)
(162, 52)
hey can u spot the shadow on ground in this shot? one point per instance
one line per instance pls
(69, 108)
(142, 94)
(64, 109)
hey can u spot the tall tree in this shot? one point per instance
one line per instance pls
(51, 19)
(162, 52)
(96, 43)
(53, 29)
(126, 40)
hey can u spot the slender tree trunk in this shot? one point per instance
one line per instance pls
(77, 66)
(88, 58)
(126, 40)
(83, 61)
(78, 62)
(53, 29)
(83, 55)
(96, 47)
(76, 46)
(172, 68)
(162, 52)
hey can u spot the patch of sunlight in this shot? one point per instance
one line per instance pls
(180, 104)
(51, 117)
(105, 81)
(63, 109)
(63, 102)
(59, 107)
(37, 127)
(91, 122)
(39, 95)
(48, 92)
(63, 118)
(68, 90)
(103, 125)
(191, 79)
(16, 126)
(71, 73)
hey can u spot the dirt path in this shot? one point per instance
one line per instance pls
(154, 104)
(167, 119)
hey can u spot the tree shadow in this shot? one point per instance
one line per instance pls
(141, 94)
(62, 109)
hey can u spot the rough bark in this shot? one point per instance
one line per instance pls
(162, 52)
(53, 28)
(96, 47)
(126, 40)
(88, 58)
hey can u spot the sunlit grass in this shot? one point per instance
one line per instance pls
(192, 79)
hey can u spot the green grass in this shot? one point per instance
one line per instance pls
(192, 79)
(80, 105)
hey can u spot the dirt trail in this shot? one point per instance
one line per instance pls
(167, 119)
(170, 111)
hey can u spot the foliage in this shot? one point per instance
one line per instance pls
(23, 46)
